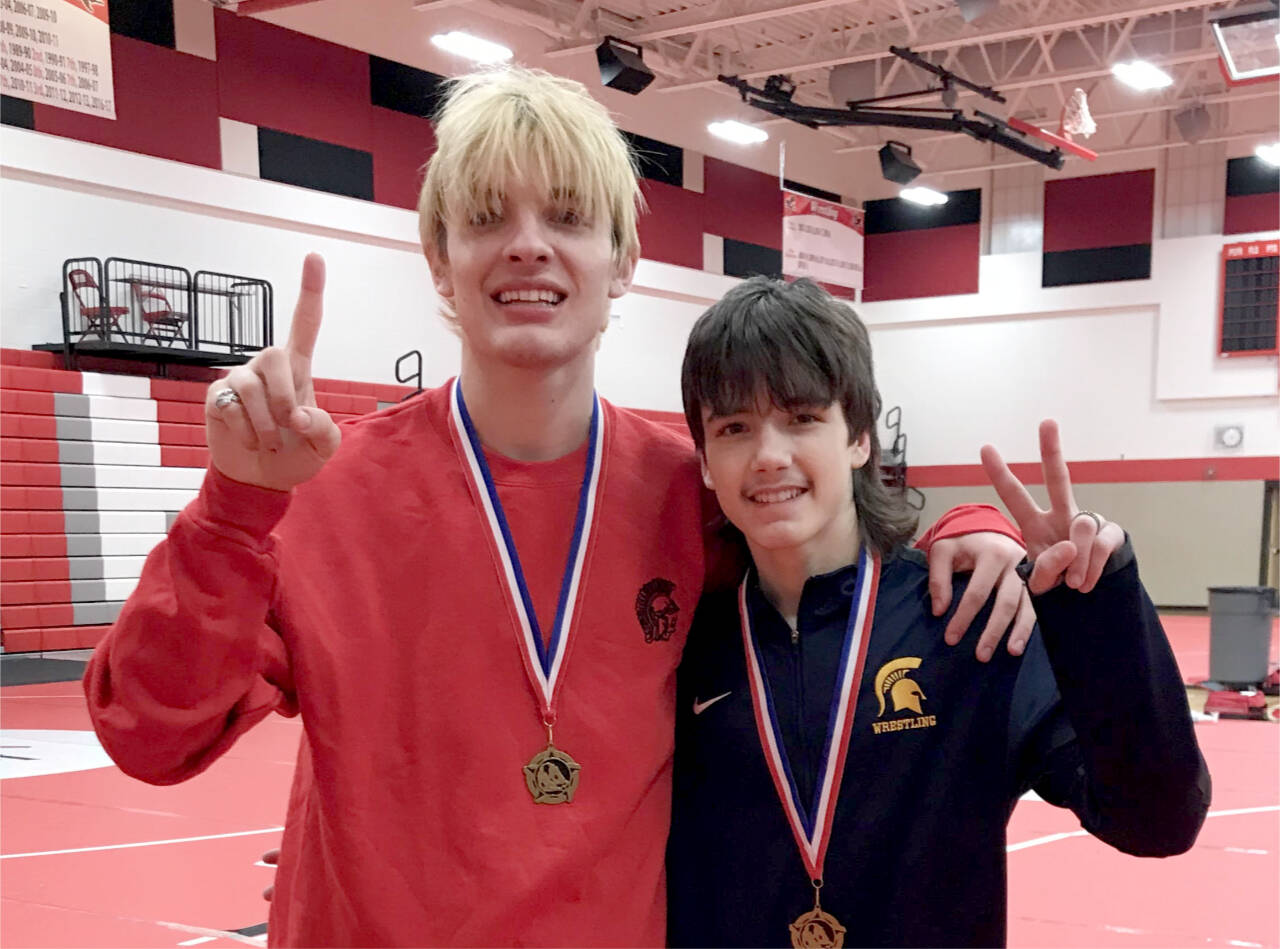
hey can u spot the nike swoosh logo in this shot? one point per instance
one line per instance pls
(700, 707)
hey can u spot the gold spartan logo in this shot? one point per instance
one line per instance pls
(892, 679)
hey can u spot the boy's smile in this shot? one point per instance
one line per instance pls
(784, 478)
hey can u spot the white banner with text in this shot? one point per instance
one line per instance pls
(821, 240)
(58, 52)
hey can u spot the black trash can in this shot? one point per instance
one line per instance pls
(1240, 634)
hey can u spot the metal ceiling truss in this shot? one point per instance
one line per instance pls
(1035, 51)
(776, 98)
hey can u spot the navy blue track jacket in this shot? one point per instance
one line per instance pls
(1093, 717)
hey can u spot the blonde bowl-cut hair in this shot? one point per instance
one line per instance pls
(516, 124)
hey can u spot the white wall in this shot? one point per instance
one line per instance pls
(1128, 367)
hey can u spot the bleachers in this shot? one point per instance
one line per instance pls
(94, 466)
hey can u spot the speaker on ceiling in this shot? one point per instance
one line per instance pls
(896, 163)
(1193, 123)
(622, 66)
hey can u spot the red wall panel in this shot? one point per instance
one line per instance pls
(280, 79)
(166, 105)
(1246, 213)
(401, 146)
(1099, 211)
(743, 204)
(931, 262)
(671, 231)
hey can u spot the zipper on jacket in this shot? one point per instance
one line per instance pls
(797, 665)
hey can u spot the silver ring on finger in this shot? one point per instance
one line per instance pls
(1097, 519)
(224, 397)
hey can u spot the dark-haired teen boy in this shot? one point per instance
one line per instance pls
(842, 776)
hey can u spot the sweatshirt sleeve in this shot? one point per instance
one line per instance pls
(968, 519)
(1119, 748)
(191, 663)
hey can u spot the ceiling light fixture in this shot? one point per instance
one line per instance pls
(740, 133)
(1269, 153)
(471, 47)
(1142, 75)
(923, 196)
(973, 9)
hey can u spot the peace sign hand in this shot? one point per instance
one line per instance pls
(1063, 542)
(268, 432)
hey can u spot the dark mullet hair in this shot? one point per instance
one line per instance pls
(802, 347)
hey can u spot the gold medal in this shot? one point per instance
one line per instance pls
(817, 929)
(552, 776)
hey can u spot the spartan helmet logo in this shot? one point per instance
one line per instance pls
(656, 610)
(892, 678)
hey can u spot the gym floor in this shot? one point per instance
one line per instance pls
(89, 857)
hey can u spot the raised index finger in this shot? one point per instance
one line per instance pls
(1057, 480)
(1021, 506)
(309, 311)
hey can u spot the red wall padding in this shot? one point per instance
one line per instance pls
(737, 203)
(166, 105)
(930, 262)
(1246, 213)
(273, 77)
(671, 231)
(1099, 211)
(401, 146)
(743, 204)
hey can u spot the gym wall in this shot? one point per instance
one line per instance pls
(1189, 535)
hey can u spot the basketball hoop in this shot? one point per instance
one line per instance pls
(1076, 119)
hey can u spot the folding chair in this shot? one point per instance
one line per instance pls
(164, 325)
(98, 317)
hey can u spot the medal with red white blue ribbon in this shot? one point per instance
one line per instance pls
(551, 775)
(811, 821)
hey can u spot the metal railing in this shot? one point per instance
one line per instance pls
(155, 299)
(414, 375)
(893, 461)
(137, 305)
(233, 312)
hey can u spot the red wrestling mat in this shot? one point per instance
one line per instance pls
(1077, 891)
(177, 864)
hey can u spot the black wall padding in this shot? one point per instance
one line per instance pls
(322, 166)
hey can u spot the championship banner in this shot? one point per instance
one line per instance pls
(58, 52)
(821, 240)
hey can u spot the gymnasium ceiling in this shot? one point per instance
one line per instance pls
(1035, 52)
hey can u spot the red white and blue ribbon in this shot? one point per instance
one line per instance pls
(543, 662)
(811, 821)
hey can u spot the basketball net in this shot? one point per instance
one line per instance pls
(1076, 119)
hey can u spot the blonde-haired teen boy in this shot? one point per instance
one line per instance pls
(477, 602)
